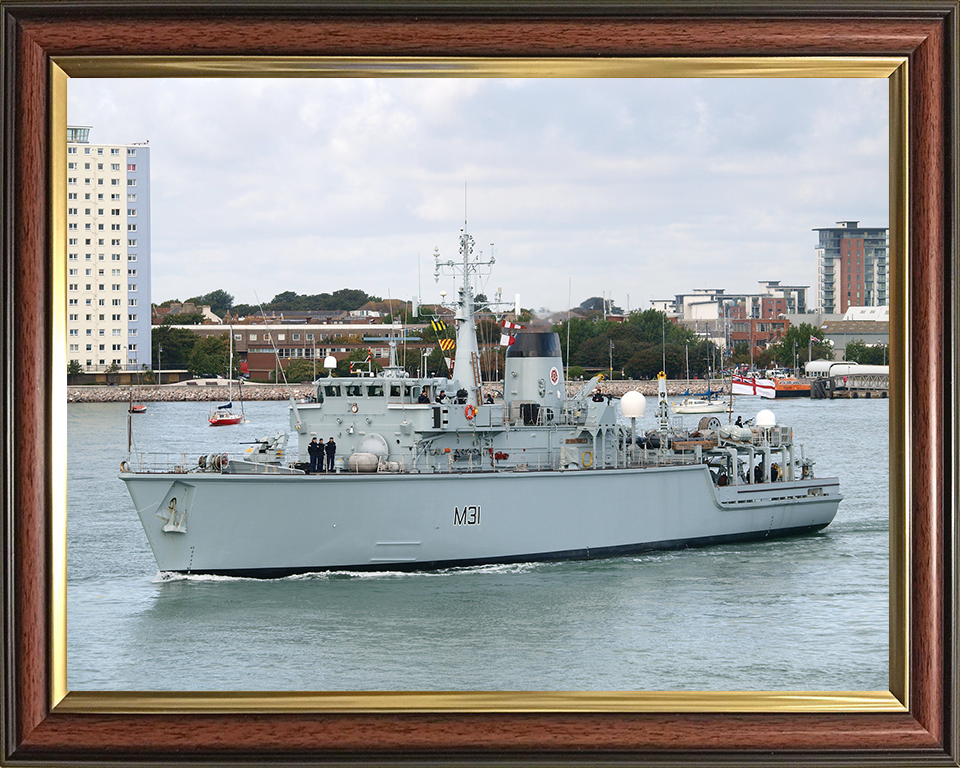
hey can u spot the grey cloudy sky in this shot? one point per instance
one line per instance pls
(637, 189)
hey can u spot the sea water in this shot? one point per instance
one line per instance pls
(806, 613)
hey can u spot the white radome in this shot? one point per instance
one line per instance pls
(765, 419)
(633, 404)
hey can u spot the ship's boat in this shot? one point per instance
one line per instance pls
(791, 388)
(526, 473)
(700, 405)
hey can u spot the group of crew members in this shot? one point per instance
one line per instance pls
(460, 399)
(319, 451)
(776, 474)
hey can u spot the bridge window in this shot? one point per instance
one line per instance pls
(354, 390)
(375, 390)
(331, 390)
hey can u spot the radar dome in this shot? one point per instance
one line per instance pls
(330, 362)
(633, 404)
(765, 419)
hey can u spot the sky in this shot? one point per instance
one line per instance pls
(632, 189)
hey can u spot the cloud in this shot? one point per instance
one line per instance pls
(641, 187)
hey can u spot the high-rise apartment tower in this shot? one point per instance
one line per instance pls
(852, 267)
(108, 254)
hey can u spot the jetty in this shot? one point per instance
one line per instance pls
(851, 385)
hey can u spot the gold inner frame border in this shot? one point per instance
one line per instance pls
(894, 69)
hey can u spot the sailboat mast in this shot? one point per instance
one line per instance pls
(230, 367)
(708, 365)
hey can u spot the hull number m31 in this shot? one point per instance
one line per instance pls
(469, 515)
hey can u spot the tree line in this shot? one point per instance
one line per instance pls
(221, 302)
(648, 342)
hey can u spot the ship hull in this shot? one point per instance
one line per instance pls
(801, 392)
(278, 525)
(696, 409)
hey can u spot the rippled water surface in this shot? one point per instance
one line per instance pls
(808, 613)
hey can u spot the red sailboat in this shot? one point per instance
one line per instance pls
(137, 407)
(223, 415)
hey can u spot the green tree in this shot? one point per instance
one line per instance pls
(219, 301)
(856, 351)
(73, 368)
(288, 300)
(184, 318)
(878, 354)
(345, 299)
(741, 354)
(764, 358)
(797, 340)
(209, 356)
(177, 344)
(357, 356)
(643, 345)
(301, 370)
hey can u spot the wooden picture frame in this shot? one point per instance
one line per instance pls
(46, 41)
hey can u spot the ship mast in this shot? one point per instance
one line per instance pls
(467, 361)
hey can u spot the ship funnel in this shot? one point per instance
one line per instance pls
(533, 384)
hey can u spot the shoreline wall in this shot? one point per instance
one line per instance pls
(152, 393)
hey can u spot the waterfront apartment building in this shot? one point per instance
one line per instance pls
(773, 301)
(108, 254)
(852, 267)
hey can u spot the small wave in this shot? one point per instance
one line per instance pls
(334, 575)
(163, 577)
(494, 568)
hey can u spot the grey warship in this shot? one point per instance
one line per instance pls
(526, 474)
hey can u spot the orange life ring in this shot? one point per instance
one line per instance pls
(470, 411)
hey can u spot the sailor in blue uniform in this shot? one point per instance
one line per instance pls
(331, 450)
